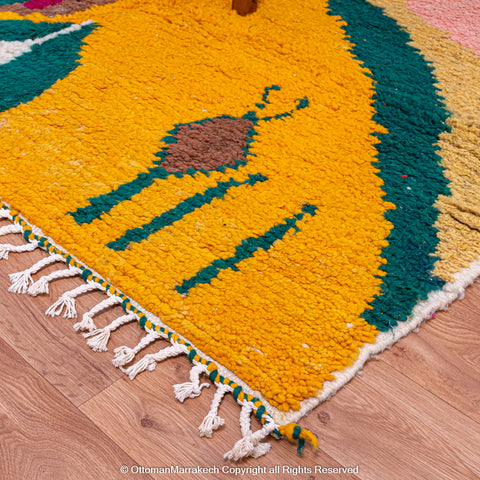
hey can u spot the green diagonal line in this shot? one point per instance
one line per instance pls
(136, 235)
(245, 250)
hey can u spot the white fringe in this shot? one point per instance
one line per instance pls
(22, 280)
(13, 228)
(250, 445)
(124, 355)
(5, 213)
(149, 362)
(212, 421)
(98, 339)
(67, 301)
(42, 284)
(87, 322)
(7, 248)
(193, 388)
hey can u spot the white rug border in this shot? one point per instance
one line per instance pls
(423, 311)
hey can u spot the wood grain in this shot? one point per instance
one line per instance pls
(444, 357)
(43, 436)
(412, 415)
(163, 431)
(395, 429)
(50, 345)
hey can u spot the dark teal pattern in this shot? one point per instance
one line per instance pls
(408, 105)
(104, 203)
(136, 235)
(20, 30)
(245, 250)
(30, 74)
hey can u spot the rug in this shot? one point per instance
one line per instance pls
(278, 197)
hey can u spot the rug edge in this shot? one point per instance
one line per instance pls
(250, 444)
(274, 421)
(423, 311)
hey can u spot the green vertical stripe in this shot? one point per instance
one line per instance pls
(408, 105)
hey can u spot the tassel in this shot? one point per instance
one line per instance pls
(193, 388)
(67, 301)
(7, 248)
(246, 448)
(22, 280)
(98, 339)
(14, 228)
(124, 355)
(293, 432)
(149, 362)
(212, 421)
(38, 287)
(250, 445)
(87, 322)
(42, 284)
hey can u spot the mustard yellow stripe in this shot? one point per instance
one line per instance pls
(455, 67)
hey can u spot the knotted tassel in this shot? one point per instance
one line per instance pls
(124, 355)
(67, 301)
(7, 248)
(42, 284)
(212, 421)
(149, 362)
(250, 445)
(193, 388)
(22, 280)
(87, 322)
(14, 228)
(98, 339)
(293, 432)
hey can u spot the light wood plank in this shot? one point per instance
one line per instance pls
(43, 436)
(387, 422)
(155, 429)
(51, 345)
(444, 357)
(395, 429)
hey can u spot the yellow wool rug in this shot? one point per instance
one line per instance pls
(278, 196)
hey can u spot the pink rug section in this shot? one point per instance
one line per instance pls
(461, 18)
(39, 4)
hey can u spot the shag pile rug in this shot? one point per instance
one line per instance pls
(277, 197)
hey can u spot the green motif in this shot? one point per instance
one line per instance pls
(245, 250)
(408, 105)
(136, 235)
(104, 203)
(31, 73)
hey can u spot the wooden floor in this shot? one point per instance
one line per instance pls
(67, 413)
